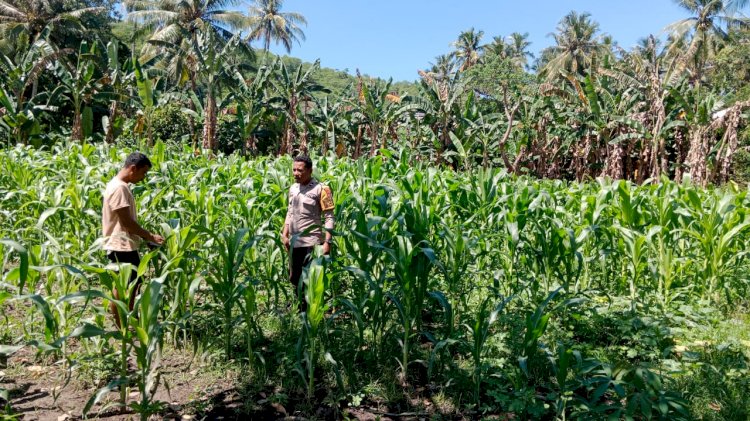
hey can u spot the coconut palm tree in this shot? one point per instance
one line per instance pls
(704, 32)
(192, 33)
(31, 17)
(498, 47)
(577, 42)
(519, 48)
(176, 20)
(443, 68)
(515, 47)
(469, 48)
(268, 23)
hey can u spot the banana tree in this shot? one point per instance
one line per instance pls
(379, 110)
(251, 104)
(148, 98)
(293, 90)
(117, 80)
(22, 104)
(441, 104)
(330, 117)
(81, 83)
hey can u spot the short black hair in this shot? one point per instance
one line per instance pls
(138, 159)
(304, 158)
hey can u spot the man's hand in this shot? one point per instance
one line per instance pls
(285, 240)
(158, 239)
(326, 248)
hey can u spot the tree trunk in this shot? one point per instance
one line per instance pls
(77, 130)
(209, 123)
(358, 143)
(373, 140)
(697, 155)
(303, 143)
(110, 137)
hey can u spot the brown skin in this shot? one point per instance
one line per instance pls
(132, 174)
(303, 175)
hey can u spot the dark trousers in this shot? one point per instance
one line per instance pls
(134, 259)
(131, 257)
(299, 258)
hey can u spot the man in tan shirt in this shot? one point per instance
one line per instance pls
(310, 209)
(120, 228)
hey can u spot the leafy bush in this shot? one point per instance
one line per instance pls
(169, 123)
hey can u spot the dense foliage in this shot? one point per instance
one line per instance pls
(585, 108)
(499, 293)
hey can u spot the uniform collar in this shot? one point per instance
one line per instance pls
(309, 185)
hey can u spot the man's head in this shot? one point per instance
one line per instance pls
(135, 168)
(302, 169)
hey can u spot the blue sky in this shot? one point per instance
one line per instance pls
(390, 38)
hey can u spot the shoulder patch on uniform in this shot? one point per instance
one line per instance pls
(326, 198)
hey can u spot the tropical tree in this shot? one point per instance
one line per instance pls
(30, 17)
(268, 23)
(332, 122)
(379, 110)
(193, 34)
(704, 32)
(251, 103)
(577, 42)
(469, 48)
(443, 68)
(514, 47)
(81, 82)
(293, 93)
(21, 105)
(440, 104)
(174, 21)
(519, 48)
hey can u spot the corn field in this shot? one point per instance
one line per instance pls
(503, 295)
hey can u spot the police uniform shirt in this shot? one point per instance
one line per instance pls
(309, 206)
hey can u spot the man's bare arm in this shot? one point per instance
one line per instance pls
(132, 226)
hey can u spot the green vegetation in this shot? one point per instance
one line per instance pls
(559, 237)
(497, 293)
(584, 108)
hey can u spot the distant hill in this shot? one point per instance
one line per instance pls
(337, 81)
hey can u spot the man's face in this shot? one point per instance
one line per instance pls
(301, 174)
(138, 174)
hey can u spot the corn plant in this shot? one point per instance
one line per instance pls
(480, 330)
(317, 283)
(412, 264)
(230, 248)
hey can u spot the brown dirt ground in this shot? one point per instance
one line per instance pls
(195, 392)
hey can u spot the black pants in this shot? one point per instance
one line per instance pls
(299, 258)
(131, 257)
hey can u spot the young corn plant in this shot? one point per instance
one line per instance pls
(411, 268)
(480, 331)
(230, 249)
(149, 331)
(317, 283)
(141, 331)
(719, 233)
(116, 283)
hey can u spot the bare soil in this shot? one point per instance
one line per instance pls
(194, 392)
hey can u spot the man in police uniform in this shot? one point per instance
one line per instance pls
(310, 205)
